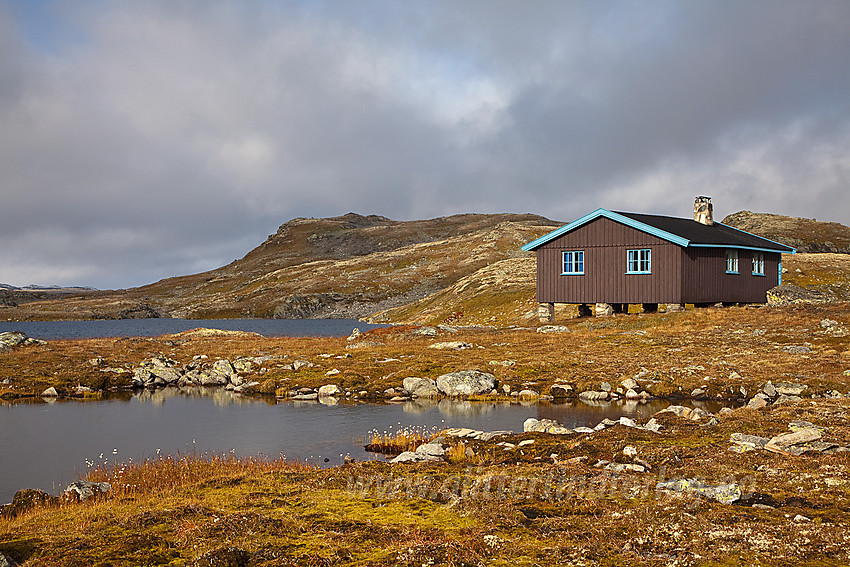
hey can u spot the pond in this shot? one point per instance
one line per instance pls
(47, 445)
(52, 330)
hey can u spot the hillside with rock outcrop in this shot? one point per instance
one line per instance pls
(347, 266)
(806, 235)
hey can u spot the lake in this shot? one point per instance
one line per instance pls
(47, 445)
(52, 330)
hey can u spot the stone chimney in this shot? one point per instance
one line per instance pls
(703, 210)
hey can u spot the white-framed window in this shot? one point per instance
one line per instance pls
(758, 264)
(731, 261)
(639, 261)
(573, 262)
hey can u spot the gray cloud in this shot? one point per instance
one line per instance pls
(140, 140)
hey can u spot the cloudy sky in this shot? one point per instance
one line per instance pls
(145, 139)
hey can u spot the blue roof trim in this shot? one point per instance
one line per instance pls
(662, 234)
(736, 247)
(793, 250)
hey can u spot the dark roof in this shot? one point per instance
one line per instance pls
(698, 233)
(684, 232)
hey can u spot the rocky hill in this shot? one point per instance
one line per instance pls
(347, 266)
(806, 235)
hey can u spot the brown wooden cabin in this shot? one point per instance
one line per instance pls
(627, 258)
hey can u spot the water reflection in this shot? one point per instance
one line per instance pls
(219, 396)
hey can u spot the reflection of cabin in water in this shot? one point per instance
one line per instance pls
(616, 259)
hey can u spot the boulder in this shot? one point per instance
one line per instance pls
(426, 331)
(355, 334)
(50, 393)
(451, 345)
(562, 391)
(528, 394)
(790, 294)
(591, 395)
(603, 310)
(329, 390)
(25, 499)
(756, 403)
(783, 442)
(769, 390)
(12, 339)
(6, 561)
(632, 395)
(466, 383)
(83, 490)
(534, 425)
(629, 384)
(421, 387)
(789, 389)
(553, 329)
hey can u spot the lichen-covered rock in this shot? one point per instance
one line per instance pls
(421, 387)
(466, 383)
(723, 493)
(790, 294)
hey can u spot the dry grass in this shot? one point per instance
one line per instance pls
(393, 442)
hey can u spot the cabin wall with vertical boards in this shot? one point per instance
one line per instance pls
(605, 244)
(704, 277)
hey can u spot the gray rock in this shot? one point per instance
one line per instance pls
(697, 393)
(632, 395)
(528, 394)
(211, 379)
(769, 390)
(466, 383)
(432, 449)
(413, 457)
(6, 561)
(629, 383)
(605, 387)
(84, 490)
(796, 349)
(756, 403)
(355, 334)
(421, 387)
(50, 393)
